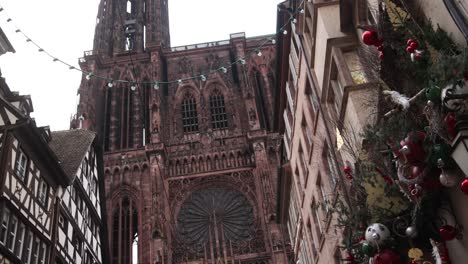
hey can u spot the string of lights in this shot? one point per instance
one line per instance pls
(133, 83)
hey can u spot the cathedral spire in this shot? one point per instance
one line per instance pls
(124, 26)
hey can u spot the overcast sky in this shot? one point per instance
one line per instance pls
(65, 28)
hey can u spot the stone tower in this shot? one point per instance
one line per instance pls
(191, 167)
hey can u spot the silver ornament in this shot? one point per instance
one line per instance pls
(448, 178)
(411, 231)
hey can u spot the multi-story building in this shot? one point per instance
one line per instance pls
(51, 187)
(32, 182)
(81, 236)
(326, 94)
(315, 88)
(190, 162)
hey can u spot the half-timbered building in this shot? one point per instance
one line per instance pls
(79, 221)
(31, 181)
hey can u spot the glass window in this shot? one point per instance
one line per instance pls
(43, 253)
(307, 133)
(21, 165)
(35, 250)
(12, 232)
(218, 110)
(189, 114)
(27, 247)
(19, 240)
(305, 167)
(4, 230)
(42, 193)
(318, 224)
(355, 67)
(323, 194)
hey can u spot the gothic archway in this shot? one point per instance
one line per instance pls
(124, 230)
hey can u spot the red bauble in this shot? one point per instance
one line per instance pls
(414, 141)
(387, 256)
(350, 257)
(464, 186)
(414, 45)
(369, 37)
(417, 55)
(416, 172)
(380, 48)
(450, 121)
(447, 232)
(409, 41)
(347, 169)
(381, 55)
(379, 42)
(409, 49)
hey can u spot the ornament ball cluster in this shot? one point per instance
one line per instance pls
(348, 172)
(412, 48)
(371, 38)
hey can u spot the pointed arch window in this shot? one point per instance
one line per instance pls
(125, 231)
(189, 114)
(218, 110)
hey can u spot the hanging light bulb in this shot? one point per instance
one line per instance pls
(273, 41)
(259, 53)
(133, 86)
(89, 76)
(8, 20)
(301, 10)
(18, 31)
(242, 61)
(156, 86)
(28, 40)
(285, 32)
(110, 84)
(179, 81)
(55, 59)
(1, 9)
(294, 21)
(223, 69)
(71, 67)
(203, 77)
(40, 50)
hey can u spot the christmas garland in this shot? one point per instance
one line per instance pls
(399, 179)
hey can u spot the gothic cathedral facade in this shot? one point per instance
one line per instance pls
(191, 166)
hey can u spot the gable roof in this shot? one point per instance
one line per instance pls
(71, 146)
(5, 45)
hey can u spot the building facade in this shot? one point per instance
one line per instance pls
(317, 92)
(81, 236)
(32, 182)
(191, 164)
(328, 92)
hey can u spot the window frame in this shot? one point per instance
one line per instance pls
(189, 114)
(22, 170)
(5, 225)
(42, 193)
(12, 231)
(27, 248)
(18, 248)
(218, 114)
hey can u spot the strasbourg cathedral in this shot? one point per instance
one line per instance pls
(191, 167)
